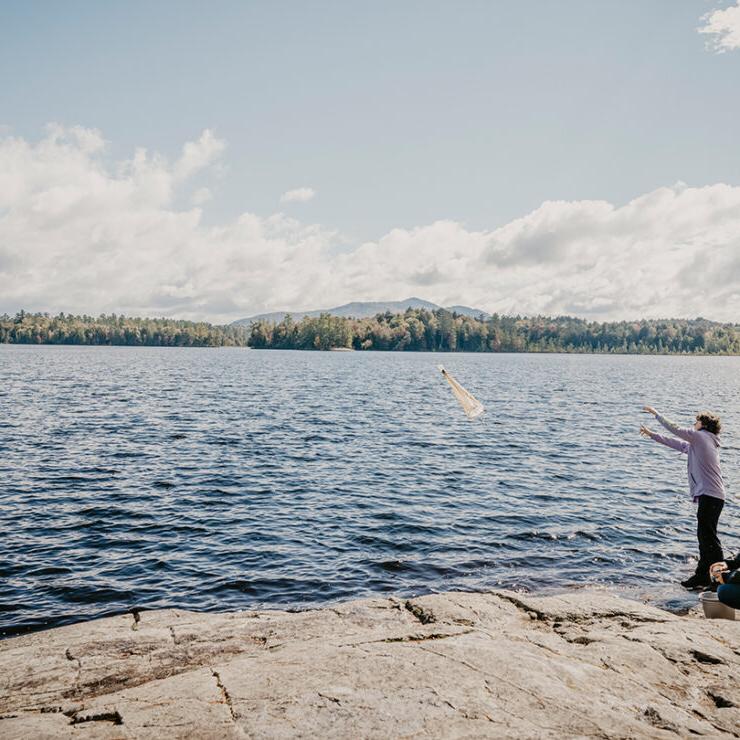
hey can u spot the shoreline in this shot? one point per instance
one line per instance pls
(670, 598)
(543, 352)
(587, 663)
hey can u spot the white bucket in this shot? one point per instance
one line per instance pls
(714, 608)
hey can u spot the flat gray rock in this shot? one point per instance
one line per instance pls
(502, 664)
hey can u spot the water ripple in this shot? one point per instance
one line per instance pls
(234, 479)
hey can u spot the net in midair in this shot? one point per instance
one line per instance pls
(471, 405)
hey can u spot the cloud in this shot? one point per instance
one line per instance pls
(723, 27)
(197, 155)
(82, 233)
(201, 196)
(299, 195)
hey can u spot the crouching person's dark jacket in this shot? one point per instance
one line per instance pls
(734, 575)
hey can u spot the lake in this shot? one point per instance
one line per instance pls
(221, 479)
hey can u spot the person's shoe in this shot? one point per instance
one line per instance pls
(695, 582)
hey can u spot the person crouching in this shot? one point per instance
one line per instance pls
(727, 574)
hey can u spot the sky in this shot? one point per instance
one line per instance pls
(214, 161)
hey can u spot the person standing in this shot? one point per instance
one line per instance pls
(706, 487)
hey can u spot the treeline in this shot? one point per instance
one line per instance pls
(41, 328)
(418, 330)
(421, 330)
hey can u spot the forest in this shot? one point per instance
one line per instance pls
(421, 330)
(416, 330)
(41, 328)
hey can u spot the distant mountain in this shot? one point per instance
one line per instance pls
(360, 310)
(474, 313)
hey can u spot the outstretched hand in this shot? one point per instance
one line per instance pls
(645, 431)
(649, 410)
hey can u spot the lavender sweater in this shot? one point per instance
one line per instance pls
(702, 448)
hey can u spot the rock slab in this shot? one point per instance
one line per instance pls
(500, 664)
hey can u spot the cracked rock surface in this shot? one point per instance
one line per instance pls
(585, 664)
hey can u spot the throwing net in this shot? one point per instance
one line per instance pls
(471, 405)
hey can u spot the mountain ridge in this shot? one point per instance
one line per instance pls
(360, 310)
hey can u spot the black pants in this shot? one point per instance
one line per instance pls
(710, 549)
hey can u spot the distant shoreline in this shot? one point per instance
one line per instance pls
(414, 330)
(442, 331)
(601, 353)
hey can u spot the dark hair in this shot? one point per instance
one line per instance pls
(710, 422)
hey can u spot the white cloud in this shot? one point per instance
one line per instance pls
(723, 27)
(197, 155)
(80, 233)
(201, 196)
(299, 195)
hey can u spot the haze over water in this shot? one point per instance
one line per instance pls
(235, 479)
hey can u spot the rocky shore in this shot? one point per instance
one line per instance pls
(586, 664)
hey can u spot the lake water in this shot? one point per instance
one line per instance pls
(232, 479)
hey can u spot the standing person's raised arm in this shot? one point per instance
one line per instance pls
(675, 444)
(683, 432)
